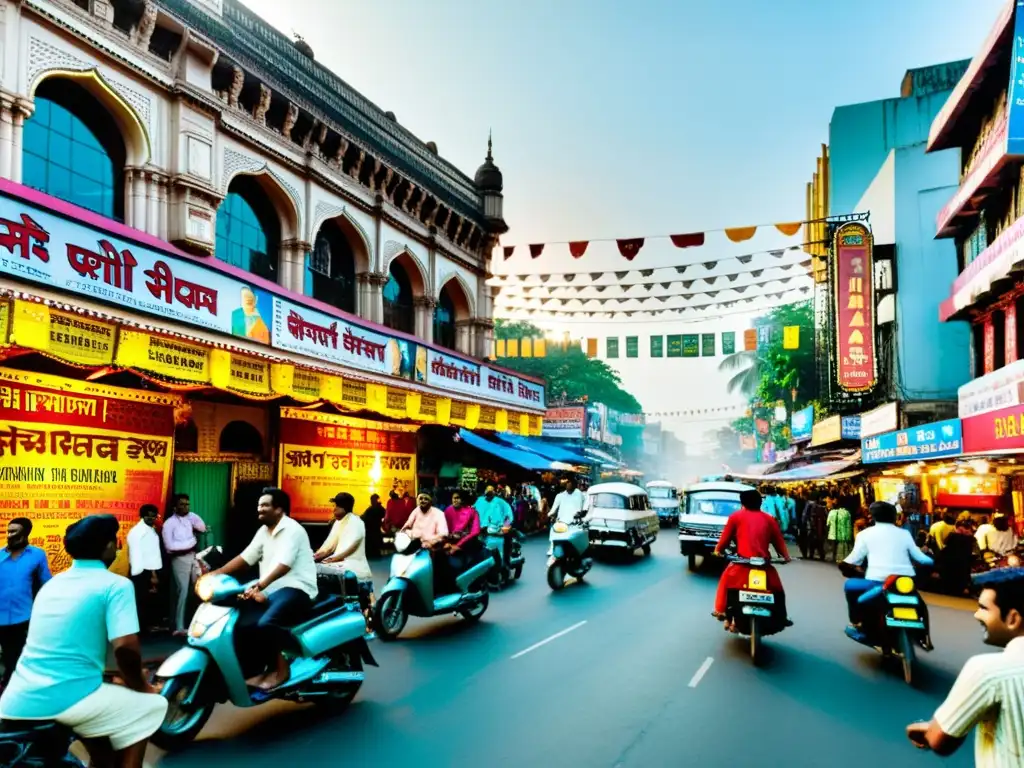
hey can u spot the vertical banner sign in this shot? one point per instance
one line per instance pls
(632, 346)
(1011, 333)
(750, 340)
(791, 337)
(675, 346)
(990, 344)
(657, 346)
(1015, 94)
(707, 345)
(72, 448)
(691, 345)
(729, 342)
(855, 308)
(322, 454)
(613, 347)
(764, 336)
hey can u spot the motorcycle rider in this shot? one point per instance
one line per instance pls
(463, 545)
(754, 532)
(890, 551)
(568, 504)
(60, 673)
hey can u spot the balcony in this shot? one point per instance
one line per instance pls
(982, 178)
(987, 276)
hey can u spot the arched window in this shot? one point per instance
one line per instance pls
(444, 320)
(248, 229)
(241, 437)
(73, 149)
(398, 309)
(333, 268)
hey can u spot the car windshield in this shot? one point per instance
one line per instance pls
(720, 503)
(617, 501)
(662, 493)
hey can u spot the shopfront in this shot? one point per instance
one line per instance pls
(132, 370)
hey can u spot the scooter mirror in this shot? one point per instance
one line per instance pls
(402, 541)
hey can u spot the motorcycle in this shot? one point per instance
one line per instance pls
(569, 545)
(410, 589)
(894, 622)
(752, 609)
(509, 546)
(326, 659)
(36, 744)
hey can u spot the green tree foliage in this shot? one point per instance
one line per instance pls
(569, 373)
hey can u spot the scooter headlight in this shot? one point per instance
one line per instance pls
(904, 585)
(560, 528)
(205, 588)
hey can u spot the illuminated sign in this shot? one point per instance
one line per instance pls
(855, 308)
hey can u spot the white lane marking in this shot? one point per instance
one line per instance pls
(547, 640)
(699, 674)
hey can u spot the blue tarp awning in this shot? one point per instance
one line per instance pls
(524, 459)
(547, 450)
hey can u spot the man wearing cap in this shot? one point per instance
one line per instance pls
(495, 514)
(60, 674)
(345, 548)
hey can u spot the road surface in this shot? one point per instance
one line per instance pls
(627, 669)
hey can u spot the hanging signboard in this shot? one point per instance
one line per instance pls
(691, 345)
(928, 441)
(657, 346)
(855, 309)
(71, 448)
(728, 342)
(566, 423)
(675, 346)
(707, 345)
(801, 423)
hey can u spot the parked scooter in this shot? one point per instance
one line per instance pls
(410, 589)
(326, 659)
(895, 621)
(36, 744)
(509, 547)
(753, 609)
(569, 546)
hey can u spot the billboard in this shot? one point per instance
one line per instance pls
(854, 308)
(566, 423)
(928, 441)
(801, 424)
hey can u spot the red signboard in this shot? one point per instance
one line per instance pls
(855, 308)
(994, 431)
(1011, 332)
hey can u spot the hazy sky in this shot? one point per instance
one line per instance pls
(616, 118)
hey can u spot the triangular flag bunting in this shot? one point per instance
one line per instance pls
(578, 248)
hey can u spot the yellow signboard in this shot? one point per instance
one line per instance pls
(173, 358)
(65, 335)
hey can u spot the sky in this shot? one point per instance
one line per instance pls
(631, 118)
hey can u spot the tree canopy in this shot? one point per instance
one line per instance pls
(569, 373)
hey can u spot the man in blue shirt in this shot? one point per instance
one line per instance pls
(60, 675)
(23, 571)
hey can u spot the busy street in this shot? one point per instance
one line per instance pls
(625, 669)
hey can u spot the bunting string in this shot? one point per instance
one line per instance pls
(694, 303)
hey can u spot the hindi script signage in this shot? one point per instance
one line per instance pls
(854, 309)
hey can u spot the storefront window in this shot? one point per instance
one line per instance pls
(444, 320)
(248, 231)
(333, 269)
(398, 309)
(73, 150)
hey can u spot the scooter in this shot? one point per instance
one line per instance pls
(569, 545)
(326, 659)
(509, 546)
(753, 610)
(410, 589)
(895, 621)
(36, 744)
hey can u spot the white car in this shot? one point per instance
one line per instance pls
(706, 507)
(665, 499)
(620, 515)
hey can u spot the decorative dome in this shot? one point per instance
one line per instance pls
(303, 47)
(391, 116)
(432, 146)
(488, 176)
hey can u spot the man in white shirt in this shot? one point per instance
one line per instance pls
(997, 537)
(568, 503)
(890, 551)
(989, 693)
(345, 548)
(285, 591)
(145, 562)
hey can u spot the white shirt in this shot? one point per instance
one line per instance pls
(287, 545)
(567, 505)
(890, 551)
(345, 533)
(989, 694)
(1000, 542)
(144, 549)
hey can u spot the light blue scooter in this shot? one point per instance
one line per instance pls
(569, 545)
(410, 590)
(326, 659)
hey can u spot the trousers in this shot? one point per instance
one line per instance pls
(181, 587)
(12, 643)
(264, 629)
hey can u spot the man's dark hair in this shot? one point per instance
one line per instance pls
(178, 497)
(1008, 584)
(279, 498)
(750, 499)
(883, 512)
(24, 522)
(949, 517)
(149, 509)
(375, 498)
(89, 538)
(344, 500)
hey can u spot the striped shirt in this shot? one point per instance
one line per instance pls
(989, 693)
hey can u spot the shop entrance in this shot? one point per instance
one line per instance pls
(208, 485)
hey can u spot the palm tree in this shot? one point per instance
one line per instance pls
(746, 369)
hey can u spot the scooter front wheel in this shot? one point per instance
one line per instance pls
(182, 723)
(474, 613)
(389, 616)
(556, 576)
(907, 657)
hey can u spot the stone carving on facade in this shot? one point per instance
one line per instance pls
(417, 210)
(357, 167)
(263, 106)
(290, 118)
(338, 161)
(388, 176)
(144, 31)
(237, 81)
(467, 236)
(402, 197)
(374, 172)
(458, 231)
(321, 135)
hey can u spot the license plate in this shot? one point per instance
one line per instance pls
(753, 610)
(905, 614)
(757, 597)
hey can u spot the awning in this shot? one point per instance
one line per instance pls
(523, 459)
(605, 457)
(835, 469)
(545, 449)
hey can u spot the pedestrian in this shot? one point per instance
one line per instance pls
(400, 506)
(840, 530)
(373, 518)
(145, 562)
(997, 537)
(23, 571)
(771, 504)
(956, 557)
(345, 547)
(790, 502)
(180, 542)
(941, 529)
(818, 529)
(989, 692)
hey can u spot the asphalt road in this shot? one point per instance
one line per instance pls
(627, 669)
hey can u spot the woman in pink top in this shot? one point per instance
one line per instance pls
(426, 523)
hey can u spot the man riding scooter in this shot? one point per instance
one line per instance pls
(754, 532)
